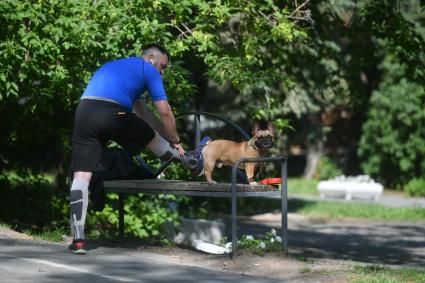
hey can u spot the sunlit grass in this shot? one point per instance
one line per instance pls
(53, 235)
(329, 209)
(337, 210)
(302, 186)
(378, 273)
(5, 225)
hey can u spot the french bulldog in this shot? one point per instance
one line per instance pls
(226, 152)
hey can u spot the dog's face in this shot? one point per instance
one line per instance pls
(264, 139)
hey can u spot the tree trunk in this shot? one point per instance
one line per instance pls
(314, 152)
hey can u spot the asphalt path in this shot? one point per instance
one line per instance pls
(39, 261)
(371, 242)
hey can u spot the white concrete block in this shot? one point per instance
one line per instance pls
(350, 187)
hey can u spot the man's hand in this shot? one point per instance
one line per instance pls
(178, 147)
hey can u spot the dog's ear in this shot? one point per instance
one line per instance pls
(270, 127)
(255, 128)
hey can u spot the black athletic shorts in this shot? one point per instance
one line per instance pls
(96, 123)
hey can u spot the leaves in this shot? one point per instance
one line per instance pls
(393, 140)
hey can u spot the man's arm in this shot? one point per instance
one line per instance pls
(167, 129)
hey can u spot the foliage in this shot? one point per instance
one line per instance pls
(393, 142)
(28, 202)
(49, 49)
(379, 273)
(416, 187)
(398, 29)
(53, 234)
(338, 210)
(25, 201)
(269, 243)
(302, 186)
(144, 216)
(327, 169)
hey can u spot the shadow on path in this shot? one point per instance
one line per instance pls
(370, 242)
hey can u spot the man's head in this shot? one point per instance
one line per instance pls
(156, 55)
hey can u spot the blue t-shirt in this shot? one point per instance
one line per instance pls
(125, 80)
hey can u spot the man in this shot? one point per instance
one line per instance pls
(104, 113)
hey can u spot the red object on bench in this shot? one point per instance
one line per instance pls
(271, 181)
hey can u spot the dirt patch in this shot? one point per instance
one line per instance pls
(8, 233)
(270, 265)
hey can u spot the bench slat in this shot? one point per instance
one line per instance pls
(182, 187)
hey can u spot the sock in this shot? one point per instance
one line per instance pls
(79, 201)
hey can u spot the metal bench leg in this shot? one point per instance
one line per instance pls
(284, 200)
(234, 226)
(121, 215)
(234, 214)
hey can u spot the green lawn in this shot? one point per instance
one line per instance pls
(339, 210)
(323, 209)
(378, 273)
(301, 186)
(335, 209)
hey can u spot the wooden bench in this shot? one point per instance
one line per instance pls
(203, 189)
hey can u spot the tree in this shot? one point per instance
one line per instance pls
(393, 140)
(48, 51)
(392, 143)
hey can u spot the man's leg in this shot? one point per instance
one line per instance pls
(79, 202)
(165, 152)
(134, 135)
(162, 149)
(91, 118)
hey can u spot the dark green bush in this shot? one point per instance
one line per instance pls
(327, 169)
(26, 202)
(144, 216)
(416, 187)
(392, 146)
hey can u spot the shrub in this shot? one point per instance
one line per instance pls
(144, 216)
(26, 201)
(327, 169)
(416, 187)
(392, 146)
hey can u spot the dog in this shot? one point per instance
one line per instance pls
(226, 152)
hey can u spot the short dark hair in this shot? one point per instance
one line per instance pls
(157, 47)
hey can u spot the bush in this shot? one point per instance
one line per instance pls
(144, 216)
(326, 169)
(416, 187)
(392, 146)
(26, 201)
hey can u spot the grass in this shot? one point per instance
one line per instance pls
(374, 273)
(339, 210)
(329, 209)
(326, 209)
(302, 186)
(305, 270)
(378, 273)
(50, 235)
(5, 225)
(53, 235)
